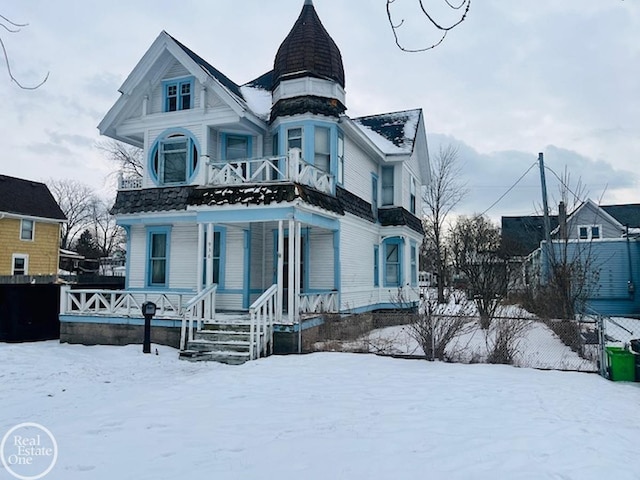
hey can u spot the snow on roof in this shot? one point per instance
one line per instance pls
(258, 100)
(393, 133)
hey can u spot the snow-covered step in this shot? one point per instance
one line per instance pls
(219, 345)
(231, 358)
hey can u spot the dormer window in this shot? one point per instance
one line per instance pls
(174, 158)
(178, 94)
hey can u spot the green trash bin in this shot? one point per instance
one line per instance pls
(622, 364)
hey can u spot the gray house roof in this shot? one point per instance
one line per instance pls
(28, 198)
(628, 215)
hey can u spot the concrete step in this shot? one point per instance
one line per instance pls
(213, 345)
(221, 335)
(230, 358)
(227, 327)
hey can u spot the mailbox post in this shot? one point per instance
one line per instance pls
(148, 310)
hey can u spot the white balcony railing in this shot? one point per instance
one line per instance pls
(319, 302)
(290, 168)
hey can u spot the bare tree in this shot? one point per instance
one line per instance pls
(439, 198)
(108, 236)
(12, 27)
(475, 245)
(461, 10)
(128, 158)
(76, 200)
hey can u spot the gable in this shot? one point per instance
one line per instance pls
(591, 214)
(28, 198)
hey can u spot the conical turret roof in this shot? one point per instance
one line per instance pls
(308, 50)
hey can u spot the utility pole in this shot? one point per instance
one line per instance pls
(545, 206)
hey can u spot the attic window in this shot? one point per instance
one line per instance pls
(589, 232)
(178, 94)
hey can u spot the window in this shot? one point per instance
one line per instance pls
(275, 147)
(412, 196)
(178, 95)
(322, 149)
(26, 230)
(158, 257)
(236, 147)
(393, 262)
(589, 232)
(374, 195)
(294, 138)
(387, 185)
(340, 158)
(20, 264)
(376, 266)
(175, 158)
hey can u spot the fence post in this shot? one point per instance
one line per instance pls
(63, 298)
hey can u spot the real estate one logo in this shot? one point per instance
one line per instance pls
(28, 451)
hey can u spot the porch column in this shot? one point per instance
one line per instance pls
(210, 240)
(200, 254)
(280, 271)
(298, 281)
(292, 270)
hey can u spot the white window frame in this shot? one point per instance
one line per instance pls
(20, 256)
(322, 153)
(590, 235)
(413, 201)
(22, 229)
(290, 138)
(387, 189)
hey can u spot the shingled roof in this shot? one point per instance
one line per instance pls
(308, 50)
(399, 216)
(211, 70)
(28, 198)
(151, 200)
(392, 132)
(628, 215)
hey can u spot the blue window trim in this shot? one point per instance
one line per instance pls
(150, 232)
(376, 265)
(178, 82)
(414, 263)
(375, 188)
(223, 141)
(340, 158)
(308, 141)
(400, 243)
(193, 164)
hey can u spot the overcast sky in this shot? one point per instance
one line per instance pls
(516, 78)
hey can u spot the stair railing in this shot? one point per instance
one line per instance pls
(201, 308)
(262, 315)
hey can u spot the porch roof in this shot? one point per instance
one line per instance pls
(179, 198)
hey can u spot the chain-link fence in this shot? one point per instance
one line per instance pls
(521, 340)
(619, 353)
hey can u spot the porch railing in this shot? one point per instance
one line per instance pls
(263, 314)
(120, 302)
(271, 169)
(200, 309)
(319, 302)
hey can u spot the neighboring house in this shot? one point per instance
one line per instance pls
(603, 237)
(267, 192)
(30, 221)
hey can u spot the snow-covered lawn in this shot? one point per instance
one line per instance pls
(119, 414)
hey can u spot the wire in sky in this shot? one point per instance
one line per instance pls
(510, 188)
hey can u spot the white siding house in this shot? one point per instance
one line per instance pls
(265, 185)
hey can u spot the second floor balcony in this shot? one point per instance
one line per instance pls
(277, 169)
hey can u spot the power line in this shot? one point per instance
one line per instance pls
(510, 188)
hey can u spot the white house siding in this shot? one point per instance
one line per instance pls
(321, 263)
(358, 168)
(137, 256)
(213, 145)
(183, 262)
(357, 238)
(259, 256)
(234, 259)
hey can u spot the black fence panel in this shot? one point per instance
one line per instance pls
(29, 312)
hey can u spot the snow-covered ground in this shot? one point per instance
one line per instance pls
(117, 413)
